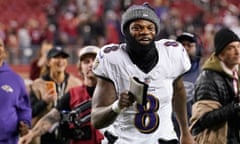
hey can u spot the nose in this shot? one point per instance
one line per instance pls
(90, 64)
(144, 30)
(237, 49)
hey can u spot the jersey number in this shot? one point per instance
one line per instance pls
(147, 119)
(110, 48)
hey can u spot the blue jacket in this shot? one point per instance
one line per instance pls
(190, 77)
(14, 105)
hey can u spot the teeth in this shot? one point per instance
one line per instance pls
(145, 38)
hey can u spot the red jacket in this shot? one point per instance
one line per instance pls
(78, 95)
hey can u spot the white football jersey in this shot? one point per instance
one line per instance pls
(139, 124)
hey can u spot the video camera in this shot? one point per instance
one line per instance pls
(73, 124)
(78, 115)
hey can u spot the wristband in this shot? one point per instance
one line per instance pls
(115, 107)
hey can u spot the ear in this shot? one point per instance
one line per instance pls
(220, 56)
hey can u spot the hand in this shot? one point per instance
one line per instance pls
(126, 100)
(23, 128)
(50, 96)
(26, 139)
(187, 139)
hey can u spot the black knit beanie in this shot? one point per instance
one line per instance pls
(140, 12)
(222, 38)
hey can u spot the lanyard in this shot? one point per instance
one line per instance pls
(60, 91)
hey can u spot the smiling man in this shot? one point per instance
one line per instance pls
(157, 63)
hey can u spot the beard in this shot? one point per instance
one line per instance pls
(133, 46)
(144, 56)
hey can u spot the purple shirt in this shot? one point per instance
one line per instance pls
(14, 105)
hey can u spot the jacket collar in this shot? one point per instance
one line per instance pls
(214, 63)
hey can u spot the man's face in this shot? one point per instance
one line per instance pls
(231, 54)
(2, 51)
(58, 64)
(143, 31)
(86, 65)
(190, 47)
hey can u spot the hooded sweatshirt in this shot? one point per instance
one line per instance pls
(14, 105)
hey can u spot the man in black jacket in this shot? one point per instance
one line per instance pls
(215, 118)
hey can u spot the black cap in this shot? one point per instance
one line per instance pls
(57, 51)
(187, 37)
(222, 38)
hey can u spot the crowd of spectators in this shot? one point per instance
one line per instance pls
(25, 24)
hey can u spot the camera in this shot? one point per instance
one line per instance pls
(74, 123)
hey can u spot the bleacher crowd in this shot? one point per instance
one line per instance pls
(25, 24)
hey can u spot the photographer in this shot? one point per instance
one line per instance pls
(80, 95)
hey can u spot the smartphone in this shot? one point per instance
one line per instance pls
(50, 85)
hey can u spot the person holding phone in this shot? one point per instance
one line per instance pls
(42, 100)
(76, 96)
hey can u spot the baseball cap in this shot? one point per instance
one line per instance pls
(88, 50)
(187, 36)
(57, 51)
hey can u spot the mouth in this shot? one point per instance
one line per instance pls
(89, 73)
(144, 40)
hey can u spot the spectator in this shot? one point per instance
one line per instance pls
(43, 100)
(193, 46)
(74, 97)
(15, 107)
(157, 63)
(24, 40)
(38, 63)
(215, 112)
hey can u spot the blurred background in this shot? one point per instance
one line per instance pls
(72, 24)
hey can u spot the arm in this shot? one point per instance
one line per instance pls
(179, 106)
(106, 105)
(215, 117)
(103, 98)
(24, 111)
(37, 105)
(42, 126)
(210, 88)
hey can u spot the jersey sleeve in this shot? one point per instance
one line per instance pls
(183, 59)
(102, 66)
(179, 61)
